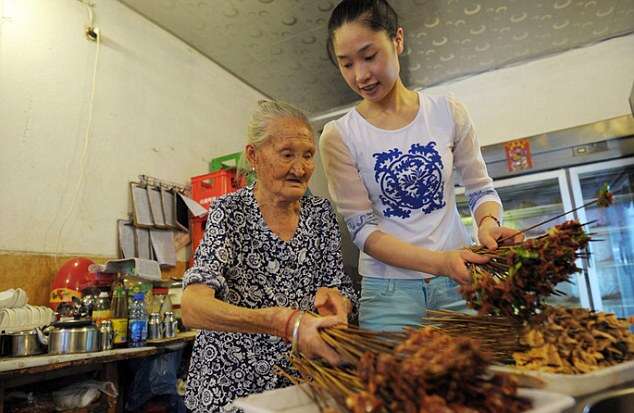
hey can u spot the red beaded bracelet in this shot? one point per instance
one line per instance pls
(497, 221)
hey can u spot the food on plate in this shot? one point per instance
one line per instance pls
(558, 340)
(574, 341)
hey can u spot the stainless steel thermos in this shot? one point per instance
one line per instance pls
(155, 327)
(170, 325)
(106, 334)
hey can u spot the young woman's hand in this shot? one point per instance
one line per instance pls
(330, 302)
(310, 343)
(454, 264)
(489, 233)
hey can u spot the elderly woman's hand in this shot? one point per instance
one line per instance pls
(330, 302)
(311, 344)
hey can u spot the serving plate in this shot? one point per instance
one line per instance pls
(572, 384)
(295, 399)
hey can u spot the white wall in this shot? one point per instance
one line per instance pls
(160, 109)
(570, 89)
(574, 88)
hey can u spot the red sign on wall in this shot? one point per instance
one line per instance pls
(518, 155)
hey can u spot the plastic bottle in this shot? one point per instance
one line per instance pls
(119, 309)
(102, 311)
(137, 322)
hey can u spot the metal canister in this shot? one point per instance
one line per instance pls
(155, 327)
(23, 343)
(170, 325)
(106, 334)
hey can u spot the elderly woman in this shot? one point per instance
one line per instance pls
(270, 253)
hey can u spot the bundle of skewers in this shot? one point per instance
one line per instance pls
(497, 335)
(417, 371)
(515, 323)
(519, 277)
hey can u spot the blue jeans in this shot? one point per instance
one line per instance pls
(391, 304)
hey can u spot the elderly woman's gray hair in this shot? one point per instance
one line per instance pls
(267, 111)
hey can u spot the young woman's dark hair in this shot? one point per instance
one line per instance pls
(375, 14)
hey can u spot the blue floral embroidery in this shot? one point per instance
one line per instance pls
(410, 181)
(474, 197)
(357, 222)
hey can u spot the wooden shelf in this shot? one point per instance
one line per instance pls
(45, 362)
(21, 371)
(180, 338)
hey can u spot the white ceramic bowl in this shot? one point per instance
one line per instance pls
(10, 317)
(45, 315)
(24, 317)
(22, 298)
(7, 298)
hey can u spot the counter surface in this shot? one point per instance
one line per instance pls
(45, 362)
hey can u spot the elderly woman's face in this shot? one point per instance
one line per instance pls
(285, 162)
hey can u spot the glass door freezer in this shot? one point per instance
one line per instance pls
(611, 269)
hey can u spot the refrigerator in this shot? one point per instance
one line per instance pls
(567, 174)
(610, 273)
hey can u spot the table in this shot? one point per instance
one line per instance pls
(20, 371)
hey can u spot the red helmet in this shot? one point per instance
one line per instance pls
(73, 276)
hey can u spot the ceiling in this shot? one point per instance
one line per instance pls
(279, 46)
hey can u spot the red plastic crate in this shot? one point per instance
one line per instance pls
(197, 231)
(209, 186)
(205, 188)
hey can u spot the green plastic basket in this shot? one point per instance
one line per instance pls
(222, 162)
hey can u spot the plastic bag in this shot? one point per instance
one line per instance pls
(153, 377)
(31, 402)
(82, 394)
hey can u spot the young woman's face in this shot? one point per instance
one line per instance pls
(368, 60)
(284, 162)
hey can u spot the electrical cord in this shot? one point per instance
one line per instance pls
(93, 34)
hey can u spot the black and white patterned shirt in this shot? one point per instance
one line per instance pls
(249, 266)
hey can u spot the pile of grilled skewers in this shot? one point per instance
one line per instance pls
(574, 341)
(513, 319)
(417, 371)
(442, 367)
(558, 340)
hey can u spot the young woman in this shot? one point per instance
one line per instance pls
(389, 164)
